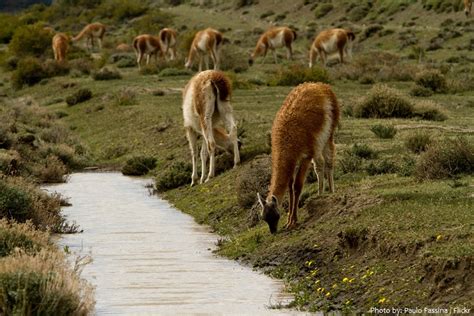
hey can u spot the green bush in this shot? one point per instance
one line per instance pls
(82, 65)
(381, 167)
(418, 142)
(14, 202)
(350, 162)
(383, 131)
(446, 159)
(43, 284)
(152, 22)
(139, 166)
(431, 79)
(121, 10)
(31, 40)
(295, 74)
(107, 74)
(14, 236)
(363, 151)
(178, 174)
(81, 95)
(8, 25)
(323, 9)
(384, 102)
(29, 72)
(429, 110)
(419, 91)
(233, 59)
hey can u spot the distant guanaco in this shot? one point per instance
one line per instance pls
(206, 103)
(148, 45)
(91, 31)
(303, 130)
(168, 42)
(206, 42)
(274, 38)
(467, 7)
(329, 42)
(60, 45)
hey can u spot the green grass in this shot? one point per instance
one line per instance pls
(400, 229)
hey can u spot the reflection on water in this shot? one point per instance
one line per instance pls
(150, 258)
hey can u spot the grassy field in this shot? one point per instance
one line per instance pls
(385, 238)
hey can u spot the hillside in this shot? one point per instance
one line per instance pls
(398, 231)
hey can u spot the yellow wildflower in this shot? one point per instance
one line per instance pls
(334, 286)
(439, 237)
(345, 280)
(382, 300)
(328, 294)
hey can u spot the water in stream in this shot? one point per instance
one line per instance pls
(149, 258)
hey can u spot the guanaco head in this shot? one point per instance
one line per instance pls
(269, 212)
(251, 60)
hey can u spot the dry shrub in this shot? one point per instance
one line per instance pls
(431, 79)
(81, 95)
(82, 65)
(253, 179)
(295, 74)
(43, 283)
(384, 102)
(418, 142)
(139, 166)
(53, 170)
(24, 237)
(446, 159)
(419, 91)
(126, 96)
(52, 68)
(107, 74)
(429, 110)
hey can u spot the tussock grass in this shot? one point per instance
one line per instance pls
(384, 102)
(384, 131)
(418, 142)
(295, 74)
(43, 283)
(139, 166)
(16, 237)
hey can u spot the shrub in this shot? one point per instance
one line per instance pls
(429, 110)
(6, 139)
(255, 177)
(431, 79)
(52, 68)
(139, 166)
(296, 74)
(381, 167)
(152, 22)
(384, 102)
(30, 40)
(363, 151)
(446, 159)
(168, 72)
(323, 9)
(15, 236)
(243, 3)
(350, 162)
(14, 203)
(125, 96)
(178, 174)
(367, 79)
(418, 142)
(107, 74)
(233, 58)
(150, 69)
(8, 25)
(383, 131)
(79, 96)
(122, 9)
(419, 91)
(83, 65)
(53, 170)
(43, 283)
(29, 72)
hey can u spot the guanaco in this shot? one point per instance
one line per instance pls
(60, 45)
(329, 42)
(148, 45)
(206, 103)
(274, 38)
(91, 31)
(206, 42)
(168, 42)
(467, 7)
(303, 130)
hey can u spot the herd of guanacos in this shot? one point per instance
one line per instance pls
(303, 128)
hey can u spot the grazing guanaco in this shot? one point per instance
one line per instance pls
(91, 31)
(467, 7)
(206, 103)
(168, 42)
(274, 38)
(60, 45)
(148, 45)
(303, 130)
(206, 42)
(329, 42)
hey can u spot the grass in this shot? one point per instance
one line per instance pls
(385, 230)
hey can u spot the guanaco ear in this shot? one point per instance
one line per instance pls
(275, 200)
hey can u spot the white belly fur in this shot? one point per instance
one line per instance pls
(277, 41)
(330, 46)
